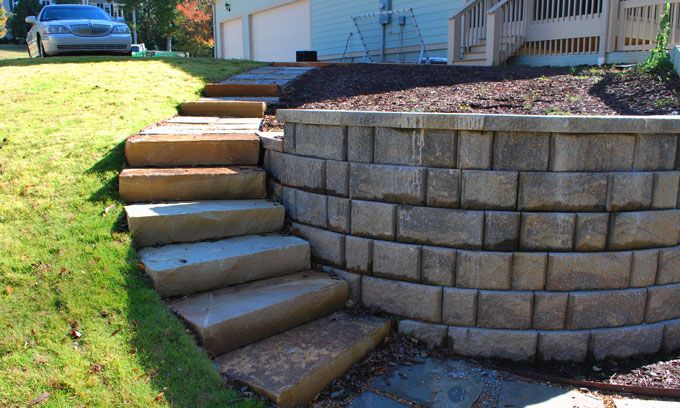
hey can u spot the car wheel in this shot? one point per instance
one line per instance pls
(41, 49)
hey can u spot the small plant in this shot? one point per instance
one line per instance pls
(659, 60)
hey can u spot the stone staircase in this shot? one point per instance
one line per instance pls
(214, 247)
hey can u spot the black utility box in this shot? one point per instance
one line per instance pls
(305, 56)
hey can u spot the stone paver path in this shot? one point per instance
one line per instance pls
(268, 75)
(455, 383)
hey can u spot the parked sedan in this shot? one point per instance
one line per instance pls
(71, 28)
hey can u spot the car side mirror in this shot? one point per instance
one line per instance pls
(120, 19)
(30, 20)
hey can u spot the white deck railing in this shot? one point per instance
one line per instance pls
(639, 22)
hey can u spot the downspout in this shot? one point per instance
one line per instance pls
(214, 19)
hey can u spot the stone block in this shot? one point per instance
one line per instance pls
(360, 144)
(645, 229)
(337, 178)
(589, 310)
(303, 172)
(547, 231)
(439, 266)
(326, 246)
(593, 152)
(516, 345)
(588, 271)
(528, 270)
(563, 346)
(419, 302)
(669, 266)
(274, 189)
(475, 149)
(521, 151)
(501, 230)
(459, 307)
(415, 147)
(624, 342)
(665, 190)
(663, 303)
(629, 191)
(310, 208)
(396, 261)
(504, 309)
(396, 184)
(489, 190)
(289, 137)
(353, 282)
(671, 336)
(440, 226)
(372, 219)
(273, 163)
(644, 267)
(483, 270)
(288, 200)
(550, 310)
(359, 254)
(432, 334)
(443, 188)
(339, 214)
(322, 141)
(562, 191)
(591, 232)
(655, 152)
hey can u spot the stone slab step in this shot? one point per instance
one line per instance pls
(292, 367)
(259, 81)
(224, 108)
(166, 223)
(229, 318)
(208, 120)
(191, 184)
(193, 150)
(269, 100)
(216, 90)
(184, 269)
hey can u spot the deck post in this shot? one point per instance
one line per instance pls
(604, 32)
(493, 38)
(455, 25)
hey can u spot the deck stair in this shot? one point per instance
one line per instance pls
(214, 248)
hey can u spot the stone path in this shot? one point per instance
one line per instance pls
(268, 75)
(455, 383)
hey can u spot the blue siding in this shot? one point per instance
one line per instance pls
(675, 57)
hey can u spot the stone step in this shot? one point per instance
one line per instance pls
(193, 150)
(191, 184)
(478, 63)
(229, 318)
(292, 367)
(167, 223)
(269, 100)
(216, 90)
(240, 109)
(184, 269)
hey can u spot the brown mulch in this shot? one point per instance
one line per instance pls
(510, 90)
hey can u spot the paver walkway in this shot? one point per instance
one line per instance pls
(455, 383)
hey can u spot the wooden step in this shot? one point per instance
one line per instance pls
(292, 367)
(167, 223)
(193, 150)
(229, 318)
(184, 269)
(215, 90)
(242, 109)
(192, 184)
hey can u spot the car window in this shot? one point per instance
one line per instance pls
(74, 13)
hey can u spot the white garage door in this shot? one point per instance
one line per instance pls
(232, 39)
(277, 33)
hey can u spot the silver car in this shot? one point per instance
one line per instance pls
(71, 28)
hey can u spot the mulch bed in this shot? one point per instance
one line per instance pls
(508, 90)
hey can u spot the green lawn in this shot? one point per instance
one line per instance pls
(80, 325)
(12, 51)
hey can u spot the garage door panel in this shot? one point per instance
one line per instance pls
(232, 39)
(277, 33)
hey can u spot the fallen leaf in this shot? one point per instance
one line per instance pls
(75, 334)
(160, 396)
(63, 271)
(115, 332)
(107, 209)
(9, 290)
(42, 397)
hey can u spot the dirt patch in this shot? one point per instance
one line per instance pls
(496, 90)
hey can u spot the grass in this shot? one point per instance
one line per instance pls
(12, 51)
(80, 324)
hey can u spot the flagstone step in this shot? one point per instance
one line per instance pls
(191, 184)
(212, 120)
(216, 90)
(193, 150)
(224, 108)
(166, 223)
(292, 367)
(229, 318)
(269, 100)
(184, 269)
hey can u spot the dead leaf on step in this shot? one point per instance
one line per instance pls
(42, 397)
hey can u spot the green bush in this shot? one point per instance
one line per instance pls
(659, 60)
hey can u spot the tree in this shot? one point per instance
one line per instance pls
(194, 31)
(3, 21)
(23, 9)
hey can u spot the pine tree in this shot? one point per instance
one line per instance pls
(23, 9)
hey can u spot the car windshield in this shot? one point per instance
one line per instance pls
(74, 13)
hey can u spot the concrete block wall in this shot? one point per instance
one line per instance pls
(521, 237)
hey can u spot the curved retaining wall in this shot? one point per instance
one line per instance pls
(520, 237)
